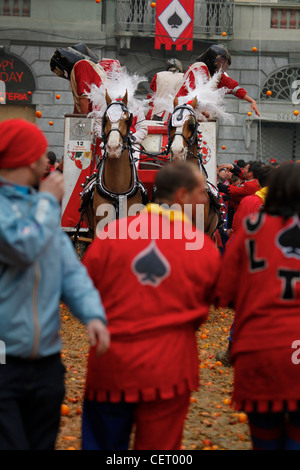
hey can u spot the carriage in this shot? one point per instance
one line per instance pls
(83, 152)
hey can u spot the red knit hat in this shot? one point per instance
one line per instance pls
(21, 143)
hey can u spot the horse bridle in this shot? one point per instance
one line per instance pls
(126, 144)
(104, 121)
(193, 137)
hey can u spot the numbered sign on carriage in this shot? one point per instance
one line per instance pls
(79, 163)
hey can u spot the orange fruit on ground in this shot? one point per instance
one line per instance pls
(98, 1)
(38, 114)
(296, 112)
(226, 401)
(269, 93)
(203, 336)
(153, 5)
(249, 113)
(57, 97)
(254, 49)
(29, 93)
(223, 147)
(64, 410)
(51, 123)
(242, 417)
(224, 33)
(207, 442)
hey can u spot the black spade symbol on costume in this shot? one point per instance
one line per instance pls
(289, 242)
(174, 21)
(150, 266)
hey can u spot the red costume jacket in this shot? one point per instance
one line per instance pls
(155, 293)
(248, 205)
(83, 75)
(225, 81)
(237, 193)
(260, 279)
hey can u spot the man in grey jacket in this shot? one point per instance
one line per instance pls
(38, 268)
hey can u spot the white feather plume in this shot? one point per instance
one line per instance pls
(209, 96)
(117, 82)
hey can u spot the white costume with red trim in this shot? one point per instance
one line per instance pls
(164, 87)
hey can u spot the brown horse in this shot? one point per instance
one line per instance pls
(111, 191)
(184, 145)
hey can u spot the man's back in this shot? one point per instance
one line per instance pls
(154, 309)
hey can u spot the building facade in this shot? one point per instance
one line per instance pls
(31, 30)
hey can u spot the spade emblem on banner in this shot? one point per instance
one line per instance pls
(150, 266)
(175, 21)
(289, 241)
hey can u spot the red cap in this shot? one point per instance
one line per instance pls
(21, 143)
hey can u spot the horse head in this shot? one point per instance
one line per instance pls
(182, 130)
(116, 125)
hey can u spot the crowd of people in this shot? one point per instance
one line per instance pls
(144, 298)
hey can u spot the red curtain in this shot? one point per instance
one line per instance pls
(174, 24)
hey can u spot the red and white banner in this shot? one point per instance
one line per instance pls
(174, 24)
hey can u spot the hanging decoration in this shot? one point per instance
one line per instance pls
(174, 24)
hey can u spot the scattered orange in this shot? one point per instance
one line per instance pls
(51, 123)
(254, 49)
(64, 410)
(97, 1)
(223, 147)
(193, 400)
(207, 442)
(224, 33)
(29, 93)
(38, 114)
(57, 97)
(226, 401)
(249, 113)
(242, 417)
(296, 112)
(269, 93)
(153, 5)
(203, 336)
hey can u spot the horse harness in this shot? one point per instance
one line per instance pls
(95, 181)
